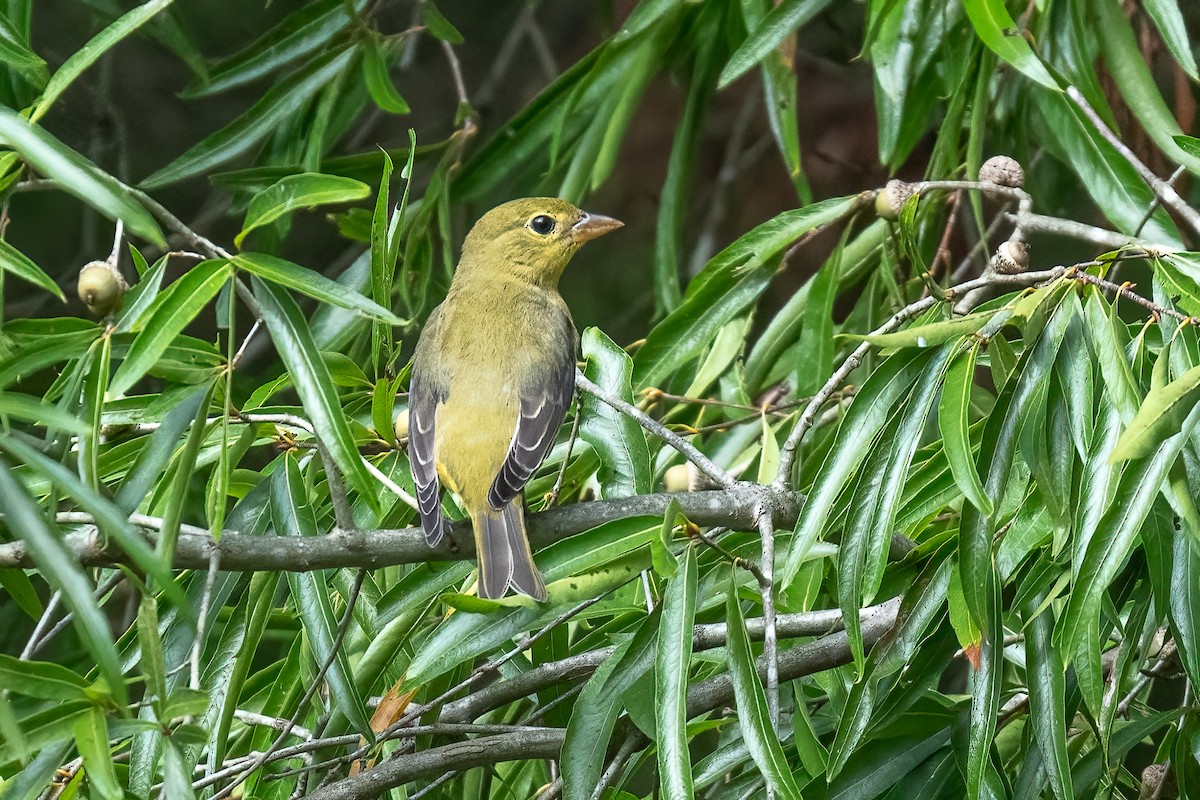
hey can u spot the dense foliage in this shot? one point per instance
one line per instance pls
(886, 503)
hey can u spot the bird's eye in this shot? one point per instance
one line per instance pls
(542, 224)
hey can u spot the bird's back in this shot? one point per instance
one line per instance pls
(499, 333)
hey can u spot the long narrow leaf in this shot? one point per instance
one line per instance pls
(671, 681)
(753, 719)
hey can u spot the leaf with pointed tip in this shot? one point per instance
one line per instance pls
(174, 309)
(783, 20)
(618, 440)
(953, 422)
(671, 681)
(1160, 416)
(729, 283)
(312, 283)
(14, 261)
(61, 570)
(76, 175)
(263, 119)
(296, 347)
(294, 516)
(996, 27)
(295, 192)
(755, 723)
(97, 46)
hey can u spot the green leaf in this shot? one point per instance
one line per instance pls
(1189, 144)
(76, 175)
(377, 76)
(920, 608)
(954, 423)
(296, 347)
(110, 520)
(61, 569)
(1171, 26)
(996, 27)
(43, 680)
(91, 739)
(729, 283)
(295, 192)
(14, 261)
(753, 719)
(31, 409)
(596, 709)
(15, 52)
(301, 33)
(816, 344)
(1161, 416)
(22, 592)
(1114, 186)
(1047, 694)
(438, 25)
(929, 335)
(617, 439)
(868, 535)
(87, 55)
(174, 309)
(294, 516)
(671, 681)
(1136, 84)
(311, 283)
(783, 20)
(1115, 535)
(1180, 276)
(279, 104)
(868, 414)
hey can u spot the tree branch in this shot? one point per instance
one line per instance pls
(734, 508)
(805, 659)
(521, 746)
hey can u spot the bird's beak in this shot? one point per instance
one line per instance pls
(593, 225)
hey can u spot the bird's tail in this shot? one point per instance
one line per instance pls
(504, 557)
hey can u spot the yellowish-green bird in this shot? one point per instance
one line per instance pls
(492, 377)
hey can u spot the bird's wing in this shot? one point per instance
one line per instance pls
(543, 405)
(425, 392)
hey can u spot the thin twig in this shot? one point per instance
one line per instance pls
(254, 718)
(766, 586)
(631, 745)
(556, 490)
(1165, 656)
(685, 448)
(43, 623)
(214, 564)
(311, 692)
(1156, 203)
(118, 235)
(456, 74)
(1163, 190)
(787, 453)
(734, 560)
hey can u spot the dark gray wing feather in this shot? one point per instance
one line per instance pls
(422, 414)
(424, 396)
(543, 406)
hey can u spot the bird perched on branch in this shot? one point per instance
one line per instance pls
(493, 375)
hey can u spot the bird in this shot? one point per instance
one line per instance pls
(492, 377)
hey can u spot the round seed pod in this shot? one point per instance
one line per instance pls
(891, 198)
(681, 478)
(1003, 171)
(101, 286)
(1012, 257)
(401, 427)
(1158, 781)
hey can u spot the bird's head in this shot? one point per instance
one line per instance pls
(533, 237)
